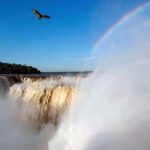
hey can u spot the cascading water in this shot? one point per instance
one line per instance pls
(46, 100)
(30, 111)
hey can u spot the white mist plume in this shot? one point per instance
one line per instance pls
(114, 111)
(14, 136)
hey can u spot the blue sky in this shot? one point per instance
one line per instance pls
(63, 43)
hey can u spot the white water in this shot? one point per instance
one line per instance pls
(29, 111)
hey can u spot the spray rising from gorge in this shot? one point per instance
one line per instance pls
(113, 113)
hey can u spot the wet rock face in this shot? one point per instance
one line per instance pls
(4, 86)
(6, 83)
(14, 80)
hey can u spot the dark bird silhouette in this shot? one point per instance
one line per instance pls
(39, 15)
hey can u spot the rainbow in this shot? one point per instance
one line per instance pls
(119, 23)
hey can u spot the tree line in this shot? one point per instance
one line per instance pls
(7, 68)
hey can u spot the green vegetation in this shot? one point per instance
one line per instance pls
(6, 68)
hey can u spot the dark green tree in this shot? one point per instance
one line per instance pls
(6, 68)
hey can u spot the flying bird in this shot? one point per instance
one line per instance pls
(39, 15)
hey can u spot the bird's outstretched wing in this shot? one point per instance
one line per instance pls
(45, 16)
(37, 13)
